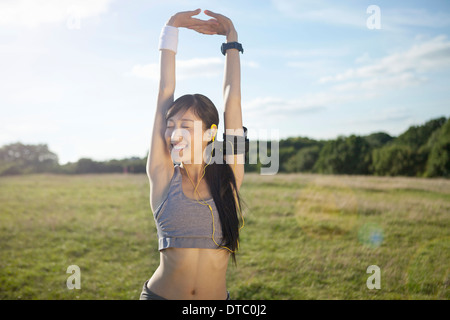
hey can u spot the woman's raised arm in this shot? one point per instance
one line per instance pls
(231, 91)
(159, 162)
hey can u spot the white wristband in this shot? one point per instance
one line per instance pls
(169, 38)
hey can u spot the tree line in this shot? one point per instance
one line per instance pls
(18, 158)
(422, 151)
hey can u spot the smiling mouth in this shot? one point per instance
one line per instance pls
(179, 146)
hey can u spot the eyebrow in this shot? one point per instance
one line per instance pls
(170, 119)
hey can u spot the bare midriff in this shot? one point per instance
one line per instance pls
(191, 274)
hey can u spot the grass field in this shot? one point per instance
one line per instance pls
(305, 237)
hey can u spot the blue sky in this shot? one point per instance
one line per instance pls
(81, 76)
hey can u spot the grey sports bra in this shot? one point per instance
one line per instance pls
(184, 223)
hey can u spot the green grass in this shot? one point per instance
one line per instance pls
(306, 237)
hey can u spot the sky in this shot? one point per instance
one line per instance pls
(82, 75)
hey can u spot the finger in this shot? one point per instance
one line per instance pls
(212, 14)
(197, 27)
(208, 32)
(213, 20)
(199, 22)
(220, 17)
(194, 12)
(203, 29)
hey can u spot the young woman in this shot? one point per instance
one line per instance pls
(195, 204)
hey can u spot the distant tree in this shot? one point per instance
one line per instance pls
(438, 163)
(68, 168)
(131, 165)
(393, 160)
(114, 166)
(303, 160)
(417, 136)
(285, 153)
(413, 149)
(136, 165)
(349, 155)
(378, 139)
(297, 142)
(290, 147)
(18, 158)
(86, 165)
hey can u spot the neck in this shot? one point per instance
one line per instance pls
(194, 171)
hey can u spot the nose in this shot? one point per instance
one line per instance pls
(176, 136)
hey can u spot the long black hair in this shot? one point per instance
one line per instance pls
(219, 176)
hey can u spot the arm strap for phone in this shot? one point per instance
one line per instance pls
(239, 144)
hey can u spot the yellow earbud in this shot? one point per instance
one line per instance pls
(213, 126)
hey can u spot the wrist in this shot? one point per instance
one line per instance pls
(232, 36)
(168, 39)
(173, 22)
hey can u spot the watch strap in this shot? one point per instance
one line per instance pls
(231, 45)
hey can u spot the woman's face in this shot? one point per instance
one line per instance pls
(184, 137)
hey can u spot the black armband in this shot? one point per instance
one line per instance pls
(237, 144)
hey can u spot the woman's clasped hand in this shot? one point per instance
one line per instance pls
(218, 24)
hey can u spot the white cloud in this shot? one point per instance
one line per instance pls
(392, 18)
(354, 14)
(364, 84)
(306, 104)
(396, 70)
(371, 80)
(331, 12)
(273, 105)
(380, 84)
(32, 13)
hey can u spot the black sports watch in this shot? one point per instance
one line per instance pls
(231, 45)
